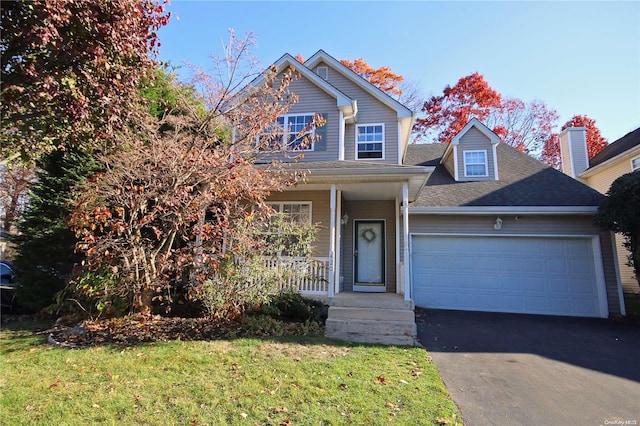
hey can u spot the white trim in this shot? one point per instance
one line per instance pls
(384, 138)
(456, 168)
(597, 256)
(322, 56)
(485, 163)
(399, 144)
(371, 288)
(495, 160)
(323, 69)
(614, 249)
(341, 130)
(338, 242)
(332, 240)
(286, 133)
(628, 154)
(491, 210)
(398, 228)
(408, 293)
(309, 203)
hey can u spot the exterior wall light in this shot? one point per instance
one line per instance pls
(498, 225)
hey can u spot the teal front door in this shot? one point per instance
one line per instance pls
(369, 256)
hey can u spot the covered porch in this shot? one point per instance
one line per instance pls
(361, 210)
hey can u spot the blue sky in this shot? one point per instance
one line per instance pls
(577, 57)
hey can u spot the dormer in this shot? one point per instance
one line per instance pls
(471, 155)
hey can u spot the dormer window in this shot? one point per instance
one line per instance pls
(475, 164)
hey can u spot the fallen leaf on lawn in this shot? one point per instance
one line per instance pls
(286, 422)
(29, 408)
(280, 410)
(95, 406)
(392, 405)
(137, 398)
(342, 386)
(249, 394)
(380, 380)
(55, 384)
(404, 382)
(244, 415)
(442, 420)
(416, 373)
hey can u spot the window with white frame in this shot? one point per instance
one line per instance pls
(635, 164)
(299, 212)
(369, 141)
(292, 132)
(475, 163)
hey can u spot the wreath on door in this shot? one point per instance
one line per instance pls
(368, 235)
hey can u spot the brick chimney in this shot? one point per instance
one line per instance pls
(573, 151)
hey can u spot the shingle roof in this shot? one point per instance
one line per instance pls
(623, 144)
(523, 181)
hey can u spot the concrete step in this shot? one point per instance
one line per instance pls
(371, 301)
(373, 327)
(340, 312)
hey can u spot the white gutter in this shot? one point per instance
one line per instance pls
(516, 210)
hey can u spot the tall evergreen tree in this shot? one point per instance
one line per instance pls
(46, 245)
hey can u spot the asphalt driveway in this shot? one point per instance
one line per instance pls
(505, 369)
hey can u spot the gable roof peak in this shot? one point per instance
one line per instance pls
(474, 122)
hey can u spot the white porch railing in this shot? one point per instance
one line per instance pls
(304, 276)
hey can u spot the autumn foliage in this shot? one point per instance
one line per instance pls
(70, 70)
(523, 125)
(595, 141)
(383, 78)
(170, 202)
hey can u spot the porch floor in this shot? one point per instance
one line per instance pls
(384, 318)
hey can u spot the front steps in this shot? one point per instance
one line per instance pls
(383, 318)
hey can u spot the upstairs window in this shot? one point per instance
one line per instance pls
(635, 164)
(291, 132)
(370, 141)
(475, 164)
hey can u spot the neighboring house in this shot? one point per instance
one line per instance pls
(472, 225)
(616, 159)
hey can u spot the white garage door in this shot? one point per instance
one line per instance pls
(553, 276)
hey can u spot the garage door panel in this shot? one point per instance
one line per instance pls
(509, 274)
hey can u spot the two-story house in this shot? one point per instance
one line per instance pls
(473, 225)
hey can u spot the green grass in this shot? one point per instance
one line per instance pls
(250, 381)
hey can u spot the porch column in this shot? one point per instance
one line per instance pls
(338, 243)
(332, 242)
(405, 240)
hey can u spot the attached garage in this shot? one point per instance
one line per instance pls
(519, 274)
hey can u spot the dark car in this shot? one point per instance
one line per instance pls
(7, 285)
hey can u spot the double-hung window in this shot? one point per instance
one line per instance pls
(635, 164)
(369, 141)
(291, 132)
(475, 164)
(297, 212)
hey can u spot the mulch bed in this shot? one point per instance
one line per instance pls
(136, 329)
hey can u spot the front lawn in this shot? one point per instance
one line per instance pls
(307, 380)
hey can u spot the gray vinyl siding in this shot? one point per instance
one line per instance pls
(370, 111)
(312, 99)
(527, 225)
(362, 210)
(320, 214)
(474, 140)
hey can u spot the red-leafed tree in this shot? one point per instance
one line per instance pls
(383, 78)
(445, 115)
(595, 141)
(523, 125)
(70, 70)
